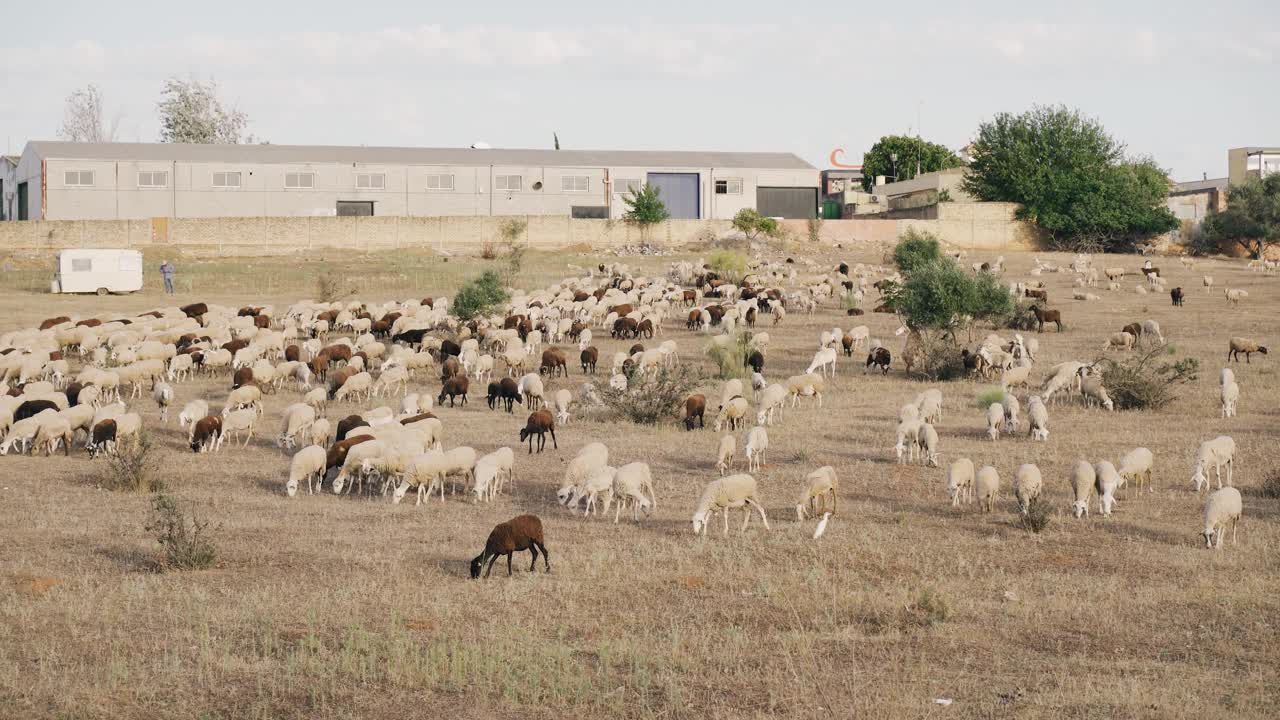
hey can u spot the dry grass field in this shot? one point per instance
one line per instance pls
(335, 607)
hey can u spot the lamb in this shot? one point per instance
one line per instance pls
(1230, 396)
(724, 455)
(1083, 478)
(1026, 486)
(960, 481)
(1247, 346)
(298, 418)
(540, 423)
(599, 481)
(988, 486)
(518, 534)
(757, 445)
(1136, 466)
(589, 459)
(630, 483)
(995, 419)
(724, 494)
(1119, 341)
(1218, 451)
(308, 463)
(1222, 507)
(1038, 415)
(819, 485)
(734, 413)
(1107, 482)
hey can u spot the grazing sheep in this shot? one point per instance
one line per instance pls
(988, 485)
(1218, 452)
(598, 482)
(1222, 507)
(724, 455)
(590, 458)
(927, 440)
(879, 357)
(733, 413)
(540, 423)
(1083, 478)
(518, 534)
(454, 387)
(1230, 396)
(1247, 346)
(1136, 466)
(1107, 482)
(1015, 376)
(908, 430)
(1151, 329)
(1093, 391)
(1038, 415)
(823, 360)
(960, 481)
(630, 483)
(818, 486)
(205, 435)
(771, 400)
(239, 421)
(248, 396)
(1208, 284)
(562, 399)
(1011, 410)
(531, 389)
(298, 419)
(191, 412)
(757, 445)
(1026, 485)
(308, 463)
(1119, 341)
(929, 403)
(320, 431)
(995, 419)
(805, 386)
(1235, 295)
(725, 494)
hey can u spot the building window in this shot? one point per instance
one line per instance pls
(226, 179)
(300, 180)
(439, 182)
(371, 181)
(81, 264)
(153, 179)
(574, 183)
(730, 186)
(624, 186)
(510, 183)
(78, 178)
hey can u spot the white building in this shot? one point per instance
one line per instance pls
(107, 181)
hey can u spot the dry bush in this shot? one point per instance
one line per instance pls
(1141, 382)
(927, 610)
(132, 467)
(488, 250)
(1270, 485)
(649, 399)
(1038, 515)
(938, 358)
(185, 541)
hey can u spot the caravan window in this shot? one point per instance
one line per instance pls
(81, 264)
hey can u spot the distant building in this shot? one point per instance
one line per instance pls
(924, 190)
(8, 186)
(107, 181)
(1191, 202)
(1246, 162)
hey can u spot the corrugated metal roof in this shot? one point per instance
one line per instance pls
(1195, 186)
(295, 154)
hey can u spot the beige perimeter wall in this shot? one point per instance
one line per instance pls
(972, 226)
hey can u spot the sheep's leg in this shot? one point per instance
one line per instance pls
(533, 550)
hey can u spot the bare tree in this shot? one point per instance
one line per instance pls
(190, 112)
(83, 120)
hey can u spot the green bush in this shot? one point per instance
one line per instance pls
(185, 541)
(1020, 316)
(645, 207)
(730, 360)
(649, 399)
(1141, 382)
(915, 249)
(1038, 515)
(751, 223)
(479, 297)
(730, 265)
(929, 609)
(986, 397)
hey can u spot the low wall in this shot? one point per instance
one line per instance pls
(990, 228)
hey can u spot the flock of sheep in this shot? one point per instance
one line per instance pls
(328, 353)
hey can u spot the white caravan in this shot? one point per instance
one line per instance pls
(97, 271)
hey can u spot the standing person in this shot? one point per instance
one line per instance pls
(166, 272)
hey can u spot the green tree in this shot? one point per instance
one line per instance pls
(1072, 179)
(191, 112)
(751, 223)
(479, 297)
(645, 207)
(914, 249)
(912, 154)
(1252, 217)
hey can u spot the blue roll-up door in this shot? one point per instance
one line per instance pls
(679, 192)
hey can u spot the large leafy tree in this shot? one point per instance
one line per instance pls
(1252, 217)
(913, 154)
(191, 112)
(645, 206)
(1072, 179)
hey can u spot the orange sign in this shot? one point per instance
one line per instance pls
(837, 164)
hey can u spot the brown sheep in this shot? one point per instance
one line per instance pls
(243, 376)
(506, 390)
(540, 423)
(205, 435)
(695, 406)
(622, 310)
(515, 535)
(346, 425)
(625, 327)
(589, 358)
(1134, 329)
(293, 354)
(339, 379)
(879, 357)
(554, 362)
(453, 387)
(645, 328)
(450, 368)
(337, 455)
(338, 353)
(319, 366)
(50, 322)
(103, 434)
(1044, 316)
(1037, 294)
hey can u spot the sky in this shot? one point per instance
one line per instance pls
(1180, 81)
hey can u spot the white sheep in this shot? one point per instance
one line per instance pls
(927, 440)
(598, 482)
(808, 385)
(1011, 410)
(1094, 392)
(1027, 483)
(724, 455)
(1083, 479)
(162, 393)
(1038, 415)
(631, 482)
(308, 463)
(824, 360)
(995, 419)
(562, 399)
(818, 486)
(1136, 466)
(320, 432)
(908, 439)
(589, 458)
(298, 419)
(1107, 482)
(929, 403)
(733, 413)
(1151, 328)
(1222, 507)
(960, 481)
(1119, 341)
(238, 421)
(1230, 396)
(757, 445)
(770, 401)
(191, 413)
(725, 494)
(988, 487)
(1218, 451)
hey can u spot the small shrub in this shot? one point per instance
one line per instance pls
(1020, 316)
(929, 609)
(332, 286)
(1142, 382)
(751, 223)
(479, 297)
(185, 540)
(1038, 515)
(915, 249)
(1270, 486)
(488, 250)
(938, 358)
(132, 468)
(801, 455)
(510, 229)
(814, 227)
(731, 266)
(730, 360)
(649, 399)
(986, 397)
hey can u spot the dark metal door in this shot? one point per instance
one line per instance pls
(355, 208)
(680, 192)
(22, 202)
(789, 203)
